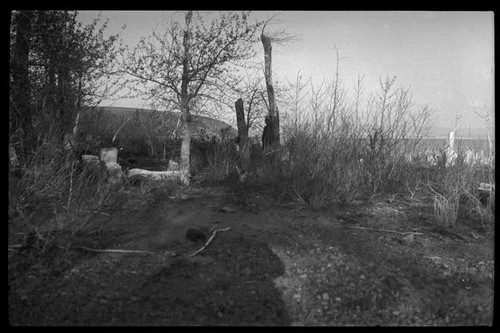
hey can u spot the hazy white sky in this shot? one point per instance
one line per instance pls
(445, 58)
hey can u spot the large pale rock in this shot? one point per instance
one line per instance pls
(92, 163)
(115, 173)
(108, 155)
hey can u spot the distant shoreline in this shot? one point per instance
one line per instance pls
(435, 133)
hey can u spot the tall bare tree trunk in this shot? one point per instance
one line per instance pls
(242, 135)
(185, 115)
(274, 138)
(21, 108)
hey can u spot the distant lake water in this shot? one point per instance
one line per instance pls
(474, 144)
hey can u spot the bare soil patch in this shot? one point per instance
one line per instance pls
(280, 264)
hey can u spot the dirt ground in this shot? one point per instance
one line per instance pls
(279, 264)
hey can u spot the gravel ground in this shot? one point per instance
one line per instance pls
(382, 263)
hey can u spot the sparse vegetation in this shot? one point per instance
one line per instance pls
(339, 148)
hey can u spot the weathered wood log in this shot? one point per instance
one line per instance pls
(154, 175)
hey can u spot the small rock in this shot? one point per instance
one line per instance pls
(227, 209)
(395, 313)
(303, 276)
(362, 277)
(338, 299)
(447, 319)
(325, 296)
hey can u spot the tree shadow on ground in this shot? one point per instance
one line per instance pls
(230, 283)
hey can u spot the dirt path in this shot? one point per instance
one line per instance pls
(278, 265)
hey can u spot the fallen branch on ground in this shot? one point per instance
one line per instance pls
(272, 152)
(209, 240)
(113, 250)
(95, 211)
(391, 231)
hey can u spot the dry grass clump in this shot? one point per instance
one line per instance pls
(52, 190)
(446, 210)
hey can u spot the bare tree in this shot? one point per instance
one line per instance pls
(191, 62)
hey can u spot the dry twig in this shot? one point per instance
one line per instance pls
(391, 231)
(209, 240)
(95, 212)
(114, 250)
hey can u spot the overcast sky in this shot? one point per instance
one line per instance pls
(445, 58)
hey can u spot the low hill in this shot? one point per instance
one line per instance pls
(213, 127)
(200, 124)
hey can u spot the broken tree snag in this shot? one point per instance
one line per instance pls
(273, 132)
(267, 134)
(266, 42)
(242, 135)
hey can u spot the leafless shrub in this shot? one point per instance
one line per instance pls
(338, 150)
(54, 190)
